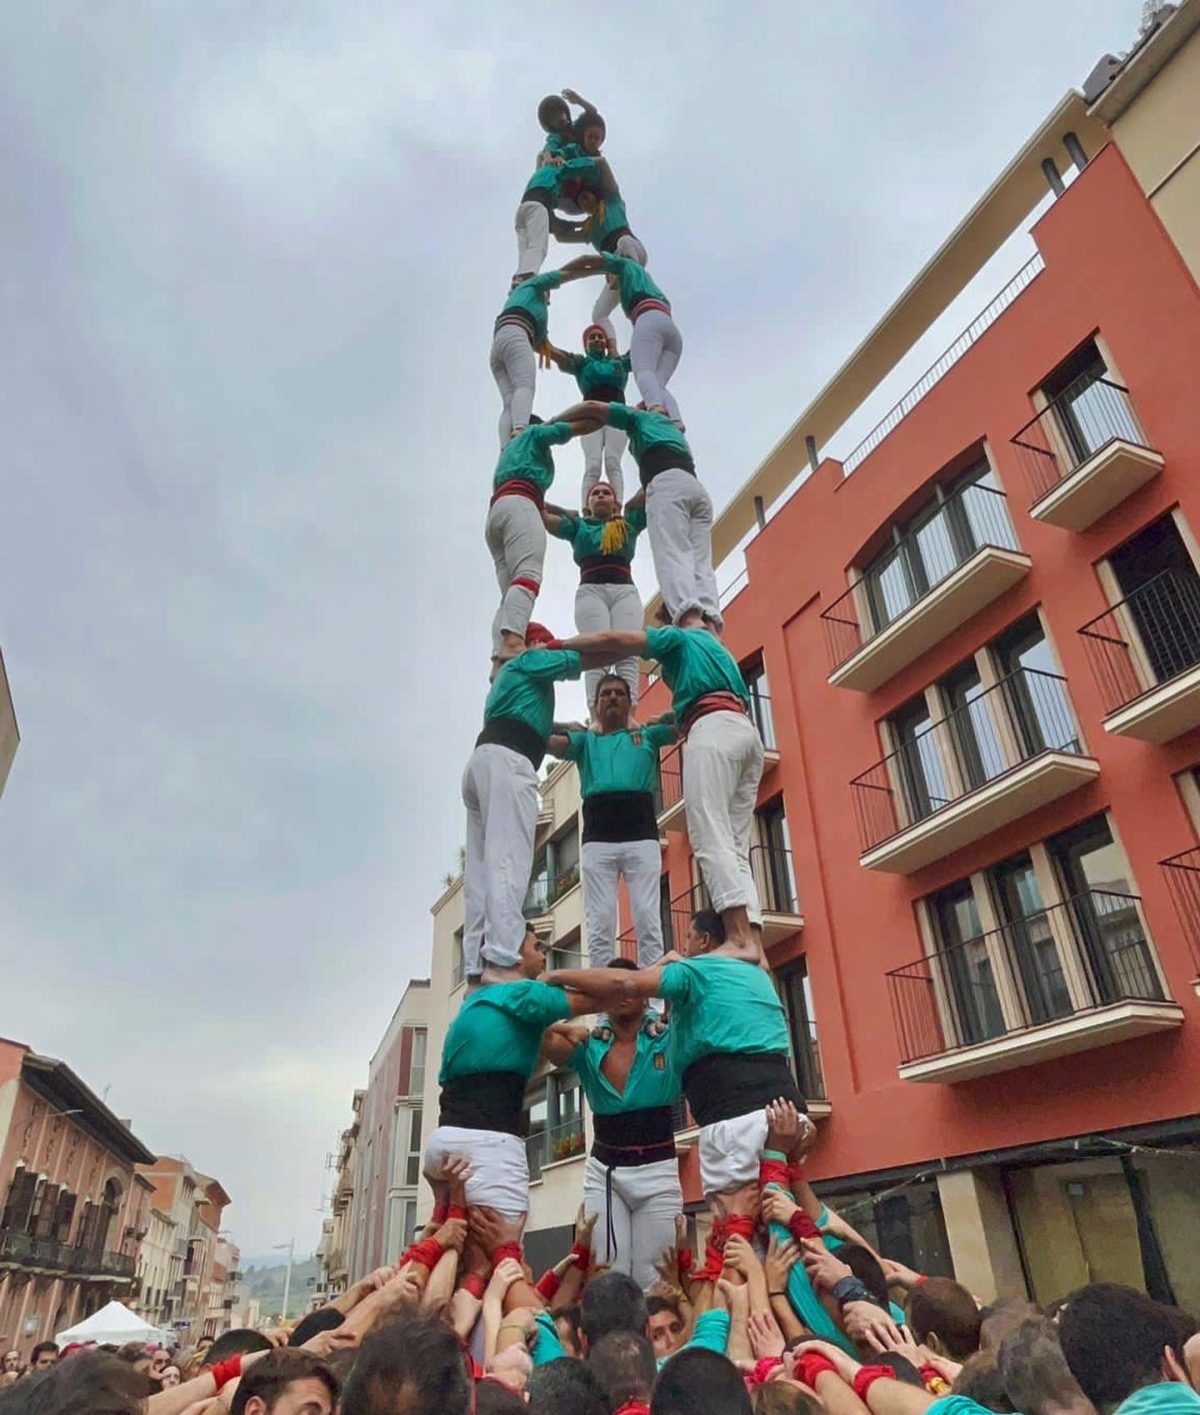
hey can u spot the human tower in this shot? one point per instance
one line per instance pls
(724, 1043)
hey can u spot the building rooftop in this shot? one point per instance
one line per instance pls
(57, 1084)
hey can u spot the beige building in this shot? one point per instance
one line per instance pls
(159, 1268)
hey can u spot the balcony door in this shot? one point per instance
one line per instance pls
(1033, 689)
(774, 879)
(1088, 413)
(1095, 877)
(1159, 583)
(968, 976)
(977, 743)
(1032, 947)
(922, 773)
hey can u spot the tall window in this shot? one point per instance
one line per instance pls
(416, 1065)
(771, 860)
(458, 962)
(755, 675)
(796, 988)
(537, 1112)
(1086, 413)
(1161, 593)
(563, 862)
(1030, 934)
(566, 1115)
(969, 978)
(412, 1167)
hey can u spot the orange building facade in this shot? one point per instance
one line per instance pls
(974, 655)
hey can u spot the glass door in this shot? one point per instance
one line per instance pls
(1033, 689)
(1162, 590)
(1031, 945)
(918, 762)
(968, 975)
(976, 741)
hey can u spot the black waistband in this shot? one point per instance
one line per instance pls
(662, 457)
(615, 816)
(605, 570)
(606, 393)
(518, 736)
(609, 243)
(725, 1084)
(490, 1100)
(541, 195)
(515, 316)
(634, 1138)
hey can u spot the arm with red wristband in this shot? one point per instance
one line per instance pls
(450, 1239)
(176, 1399)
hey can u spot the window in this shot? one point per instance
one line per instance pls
(969, 979)
(796, 988)
(907, 1225)
(416, 1065)
(918, 760)
(963, 515)
(566, 1117)
(412, 1170)
(537, 896)
(458, 962)
(1087, 414)
(771, 860)
(1160, 588)
(563, 863)
(1030, 934)
(755, 675)
(537, 1110)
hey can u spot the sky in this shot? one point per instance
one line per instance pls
(251, 259)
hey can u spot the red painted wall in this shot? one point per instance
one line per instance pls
(1109, 268)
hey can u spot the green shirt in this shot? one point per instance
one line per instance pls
(499, 1028)
(647, 430)
(528, 299)
(585, 535)
(592, 373)
(527, 457)
(632, 280)
(524, 687)
(652, 1081)
(617, 761)
(615, 219)
(694, 662)
(558, 146)
(720, 1003)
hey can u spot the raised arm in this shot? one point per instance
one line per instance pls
(560, 357)
(598, 650)
(582, 265)
(578, 100)
(607, 986)
(560, 1040)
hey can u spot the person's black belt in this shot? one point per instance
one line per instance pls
(609, 243)
(516, 735)
(604, 570)
(662, 457)
(726, 1084)
(489, 1100)
(605, 393)
(541, 195)
(616, 816)
(630, 1140)
(515, 316)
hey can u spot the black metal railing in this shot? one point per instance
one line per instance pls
(1148, 638)
(972, 518)
(1085, 417)
(555, 1143)
(1182, 874)
(1016, 719)
(25, 1250)
(774, 879)
(562, 882)
(670, 779)
(1072, 958)
(760, 715)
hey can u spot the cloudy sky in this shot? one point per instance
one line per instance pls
(252, 255)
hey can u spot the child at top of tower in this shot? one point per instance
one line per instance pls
(562, 132)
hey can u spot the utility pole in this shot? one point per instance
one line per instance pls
(290, 1245)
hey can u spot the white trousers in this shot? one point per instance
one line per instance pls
(499, 790)
(603, 862)
(646, 1199)
(609, 298)
(599, 609)
(722, 766)
(533, 237)
(679, 521)
(516, 536)
(730, 1151)
(500, 1168)
(514, 367)
(604, 446)
(655, 348)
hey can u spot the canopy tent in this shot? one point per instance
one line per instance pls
(114, 1323)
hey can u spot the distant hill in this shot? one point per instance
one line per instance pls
(263, 1280)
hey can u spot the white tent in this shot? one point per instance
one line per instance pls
(114, 1323)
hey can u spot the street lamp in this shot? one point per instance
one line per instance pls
(290, 1245)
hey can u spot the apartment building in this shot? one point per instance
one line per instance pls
(188, 1289)
(973, 651)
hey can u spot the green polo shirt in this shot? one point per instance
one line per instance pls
(528, 456)
(647, 430)
(617, 761)
(592, 373)
(653, 1080)
(524, 687)
(547, 178)
(722, 1004)
(694, 662)
(528, 299)
(558, 146)
(585, 534)
(615, 218)
(499, 1028)
(632, 280)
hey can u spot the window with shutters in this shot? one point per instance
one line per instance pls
(20, 1200)
(45, 1204)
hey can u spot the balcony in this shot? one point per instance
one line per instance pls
(932, 581)
(555, 1145)
(561, 884)
(1069, 978)
(50, 1255)
(775, 881)
(1009, 750)
(1084, 454)
(1145, 656)
(1182, 874)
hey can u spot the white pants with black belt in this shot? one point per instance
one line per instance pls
(722, 766)
(599, 609)
(608, 299)
(679, 522)
(655, 348)
(514, 367)
(606, 446)
(533, 237)
(516, 536)
(640, 1222)
(499, 790)
(499, 1166)
(602, 863)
